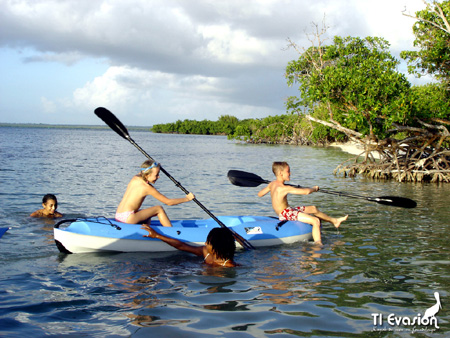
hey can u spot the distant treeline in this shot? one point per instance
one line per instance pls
(224, 126)
(289, 128)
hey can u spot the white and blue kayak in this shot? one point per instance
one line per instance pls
(104, 234)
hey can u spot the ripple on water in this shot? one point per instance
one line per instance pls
(382, 260)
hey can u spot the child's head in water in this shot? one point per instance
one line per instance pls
(150, 171)
(49, 206)
(221, 243)
(49, 203)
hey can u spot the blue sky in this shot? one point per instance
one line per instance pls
(157, 61)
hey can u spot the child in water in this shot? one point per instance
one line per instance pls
(138, 189)
(49, 205)
(307, 214)
(218, 250)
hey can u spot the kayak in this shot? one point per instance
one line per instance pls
(100, 234)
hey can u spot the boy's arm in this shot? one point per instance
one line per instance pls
(263, 191)
(302, 191)
(196, 250)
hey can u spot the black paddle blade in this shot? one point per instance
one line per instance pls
(112, 121)
(395, 201)
(245, 179)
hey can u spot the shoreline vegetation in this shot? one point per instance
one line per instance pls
(282, 129)
(423, 156)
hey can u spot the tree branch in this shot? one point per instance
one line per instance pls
(439, 12)
(335, 126)
(442, 121)
(432, 126)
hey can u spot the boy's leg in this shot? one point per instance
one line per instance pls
(315, 222)
(319, 214)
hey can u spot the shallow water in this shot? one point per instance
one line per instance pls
(384, 260)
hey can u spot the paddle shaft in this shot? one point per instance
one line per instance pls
(238, 237)
(113, 122)
(242, 178)
(177, 184)
(325, 191)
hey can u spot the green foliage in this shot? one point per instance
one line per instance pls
(319, 133)
(357, 79)
(291, 129)
(432, 40)
(227, 124)
(272, 129)
(224, 126)
(204, 127)
(431, 102)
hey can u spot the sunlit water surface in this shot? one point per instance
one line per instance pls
(384, 260)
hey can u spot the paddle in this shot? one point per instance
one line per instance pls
(113, 122)
(2, 231)
(245, 179)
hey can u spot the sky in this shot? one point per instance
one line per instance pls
(159, 61)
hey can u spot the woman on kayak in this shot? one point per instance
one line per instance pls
(49, 206)
(138, 189)
(218, 250)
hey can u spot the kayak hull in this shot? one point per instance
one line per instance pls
(85, 235)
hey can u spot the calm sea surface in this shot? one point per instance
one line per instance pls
(385, 262)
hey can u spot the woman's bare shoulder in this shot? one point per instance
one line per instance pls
(37, 213)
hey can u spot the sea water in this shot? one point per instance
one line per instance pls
(383, 261)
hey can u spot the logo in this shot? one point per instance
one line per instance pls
(426, 321)
(253, 230)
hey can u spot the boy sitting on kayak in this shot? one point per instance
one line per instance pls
(307, 214)
(218, 250)
(138, 189)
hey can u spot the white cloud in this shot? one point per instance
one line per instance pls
(48, 106)
(103, 89)
(232, 46)
(178, 58)
(390, 24)
(120, 84)
(126, 89)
